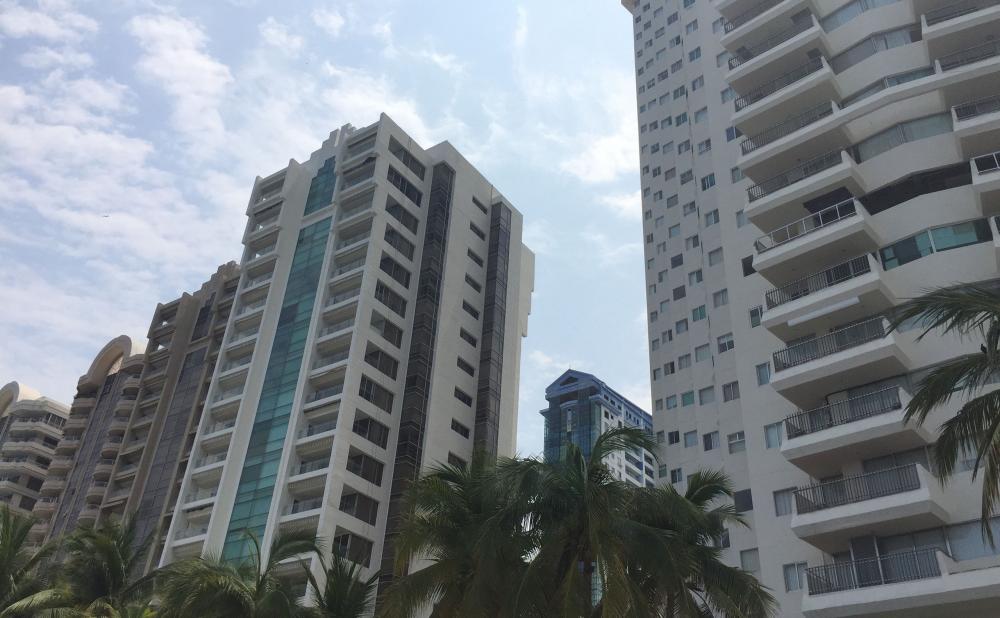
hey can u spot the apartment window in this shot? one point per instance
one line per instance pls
(720, 298)
(735, 175)
(710, 441)
(672, 18)
(679, 120)
(722, 59)
(683, 146)
(783, 501)
(773, 434)
(673, 437)
(679, 92)
(691, 242)
(737, 442)
(396, 240)
(706, 395)
(725, 343)
(747, 265)
(750, 560)
(679, 292)
(741, 218)
(694, 54)
(689, 208)
(730, 391)
(459, 428)
(698, 313)
(688, 3)
(389, 331)
(470, 309)
(727, 95)
(668, 368)
(694, 277)
(718, 25)
(707, 182)
(690, 27)
(681, 326)
(660, 437)
(697, 84)
(381, 360)
(715, 256)
(467, 336)
(390, 299)
(684, 361)
(732, 133)
(654, 344)
(687, 399)
(676, 66)
(755, 315)
(474, 257)
(763, 374)
(466, 366)
(395, 270)
(478, 232)
(690, 438)
(381, 397)
(674, 231)
(701, 115)
(704, 146)
(934, 240)
(405, 186)
(795, 576)
(876, 43)
(463, 396)
(702, 353)
(475, 285)
(676, 475)
(711, 217)
(742, 501)
(401, 214)
(671, 402)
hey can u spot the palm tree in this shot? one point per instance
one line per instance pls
(345, 594)
(459, 522)
(19, 577)
(95, 578)
(214, 588)
(607, 548)
(970, 310)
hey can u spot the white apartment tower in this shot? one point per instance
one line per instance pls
(806, 166)
(376, 332)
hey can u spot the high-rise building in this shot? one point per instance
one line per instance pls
(30, 428)
(805, 167)
(581, 408)
(376, 332)
(185, 337)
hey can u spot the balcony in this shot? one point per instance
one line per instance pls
(231, 366)
(986, 181)
(747, 16)
(969, 56)
(315, 399)
(304, 506)
(772, 52)
(957, 9)
(786, 127)
(315, 429)
(887, 501)
(254, 282)
(336, 327)
(309, 476)
(347, 267)
(956, 25)
(773, 202)
(190, 532)
(341, 298)
(765, 90)
(771, 101)
(200, 495)
(922, 583)
(324, 364)
(251, 307)
(819, 238)
(976, 123)
(857, 354)
(867, 425)
(352, 242)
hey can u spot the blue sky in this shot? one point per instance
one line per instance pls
(131, 132)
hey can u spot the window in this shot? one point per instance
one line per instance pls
(743, 501)
(671, 402)
(673, 231)
(673, 437)
(405, 186)
(702, 353)
(730, 391)
(661, 437)
(694, 54)
(706, 395)
(750, 560)
(478, 232)
(694, 277)
(784, 500)
(698, 313)
(681, 326)
(467, 336)
(470, 309)
(737, 442)
(727, 95)
(466, 366)
(459, 428)
(735, 175)
(381, 360)
(795, 576)
(763, 374)
(691, 242)
(773, 434)
(701, 115)
(396, 240)
(680, 119)
(676, 475)
(676, 260)
(690, 438)
(710, 441)
(390, 299)
(395, 270)
(873, 45)
(704, 146)
(401, 214)
(732, 133)
(463, 396)
(684, 361)
(475, 285)
(687, 177)
(672, 18)
(715, 256)
(668, 368)
(747, 264)
(679, 293)
(711, 217)
(725, 343)
(683, 147)
(691, 27)
(755, 315)
(376, 394)
(474, 257)
(455, 460)
(720, 298)
(687, 399)
(707, 182)
(689, 208)
(741, 218)
(389, 331)
(935, 239)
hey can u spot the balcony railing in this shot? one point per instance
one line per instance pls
(220, 426)
(233, 364)
(251, 307)
(342, 296)
(300, 506)
(987, 163)
(256, 281)
(748, 53)
(843, 412)
(987, 105)
(794, 175)
(312, 430)
(806, 225)
(837, 341)
(262, 253)
(969, 56)
(860, 488)
(336, 327)
(208, 460)
(349, 266)
(777, 84)
(787, 127)
(312, 466)
(324, 361)
(323, 393)
(345, 242)
(203, 494)
(746, 16)
(957, 9)
(187, 533)
(233, 392)
(888, 569)
(818, 281)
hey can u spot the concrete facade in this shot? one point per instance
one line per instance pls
(375, 332)
(806, 166)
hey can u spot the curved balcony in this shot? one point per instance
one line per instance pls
(779, 83)
(796, 174)
(969, 56)
(748, 15)
(786, 127)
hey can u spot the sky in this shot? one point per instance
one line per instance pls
(131, 132)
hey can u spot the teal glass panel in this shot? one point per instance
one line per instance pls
(267, 437)
(322, 186)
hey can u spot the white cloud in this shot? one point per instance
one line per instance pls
(277, 35)
(330, 21)
(47, 58)
(446, 62)
(608, 155)
(175, 59)
(520, 38)
(639, 393)
(624, 205)
(539, 236)
(609, 252)
(382, 30)
(53, 20)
